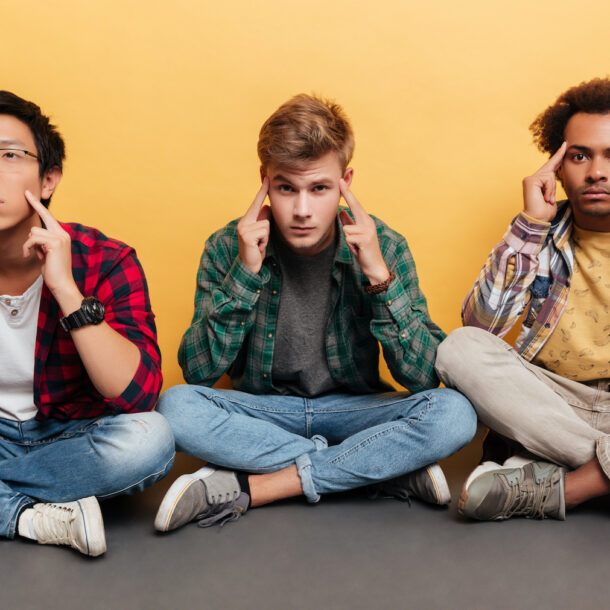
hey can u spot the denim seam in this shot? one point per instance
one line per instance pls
(404, 423)
(244, 404)
(364, 408)
(25, 501)
(303, 464)
(152, 474)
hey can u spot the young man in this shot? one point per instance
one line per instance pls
(292, 301)
(550, 396)
(79, 362)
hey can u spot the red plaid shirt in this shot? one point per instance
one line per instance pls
(109, 270)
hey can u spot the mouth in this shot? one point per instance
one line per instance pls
(595, 193)
(301, 230)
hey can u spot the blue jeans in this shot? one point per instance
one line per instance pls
(338, 441)
(60, 461)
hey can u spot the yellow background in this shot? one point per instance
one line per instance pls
(160, 104)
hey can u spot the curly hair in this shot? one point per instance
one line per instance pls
(592, 97)
(304, 129)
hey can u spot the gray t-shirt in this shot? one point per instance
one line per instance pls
(300, 366)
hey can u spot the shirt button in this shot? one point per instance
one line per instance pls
(274, 292)
(7, 301)
(242, 323)
(270, 335)
(547, 325)
(523, 235)
(258, 291)
(389, 301)
(265, 375)
(403, 334)
(14, 312)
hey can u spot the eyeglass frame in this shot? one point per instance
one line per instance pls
(25, 152)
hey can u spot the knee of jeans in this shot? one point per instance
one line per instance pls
(456, 419)
(144, 446)
(154, 440)
(458, 352)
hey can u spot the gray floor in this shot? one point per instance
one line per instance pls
(345, 552)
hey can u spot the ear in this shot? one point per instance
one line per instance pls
(49, 182)
(348, 175)
(263, 173)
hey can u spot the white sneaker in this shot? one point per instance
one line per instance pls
(77, 524)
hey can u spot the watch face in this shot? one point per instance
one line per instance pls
(93, 309)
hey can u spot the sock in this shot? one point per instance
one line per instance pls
(25, 524)
(244, 484)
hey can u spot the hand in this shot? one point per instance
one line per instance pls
(539, 189)
(253, 231)
(361, 237)
(52, 245)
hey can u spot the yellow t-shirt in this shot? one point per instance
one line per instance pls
(579, 347)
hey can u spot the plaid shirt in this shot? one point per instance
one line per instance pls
(541, 260)
(109, 270)
(236, 311)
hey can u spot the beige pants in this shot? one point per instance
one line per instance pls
(562, 421)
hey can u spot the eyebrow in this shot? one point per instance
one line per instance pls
(584, 148)
(323, 180)
(11, 142)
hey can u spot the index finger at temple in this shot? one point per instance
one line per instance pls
(554, 163)
(45, 215)
(354, 205)
(252, 213)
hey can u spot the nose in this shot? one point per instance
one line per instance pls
(599, 169)
(302, 208)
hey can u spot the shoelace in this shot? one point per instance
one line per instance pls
(53, 522)
(529, 499)
(219, 511)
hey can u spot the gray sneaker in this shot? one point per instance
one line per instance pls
(77, 524)
(428, 484)
(494, 493)
(209, 496)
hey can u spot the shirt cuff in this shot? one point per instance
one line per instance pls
(526, 234)
(392, 303)
(243, 284)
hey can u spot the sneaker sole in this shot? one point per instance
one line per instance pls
(440, 484)
(173, 495)
(92, 518)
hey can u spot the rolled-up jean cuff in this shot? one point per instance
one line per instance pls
(603, 454)
(23, 503)
(303, 463)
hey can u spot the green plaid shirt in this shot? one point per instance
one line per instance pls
(233, 329)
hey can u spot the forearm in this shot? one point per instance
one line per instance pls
(223, 318)
(111, 360)
(500, 293)
(408, 337)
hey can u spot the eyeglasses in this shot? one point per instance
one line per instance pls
(12, 159)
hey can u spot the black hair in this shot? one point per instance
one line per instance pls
(50, 147)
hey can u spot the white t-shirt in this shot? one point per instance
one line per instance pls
(18, 327)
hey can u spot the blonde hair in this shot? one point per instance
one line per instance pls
(304, 129)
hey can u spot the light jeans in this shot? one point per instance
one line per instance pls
(560, 420)
(338, 441)
(60, 461)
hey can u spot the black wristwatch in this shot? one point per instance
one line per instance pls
(91, 312)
